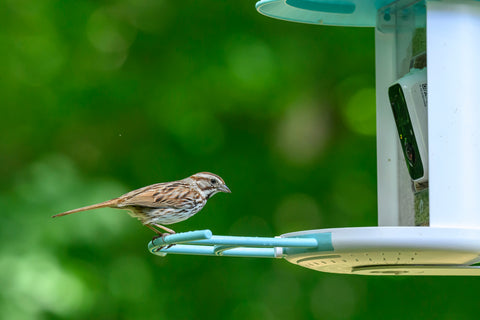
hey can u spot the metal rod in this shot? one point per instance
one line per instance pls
(210, 251)
(180, 238)
(202, 242)
(259, 242)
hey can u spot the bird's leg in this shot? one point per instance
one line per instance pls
(164, 228)
(154, 230)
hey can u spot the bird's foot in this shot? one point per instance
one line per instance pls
(163, 235)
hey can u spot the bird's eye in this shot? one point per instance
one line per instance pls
(213, 181)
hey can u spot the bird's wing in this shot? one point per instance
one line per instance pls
(162, 195)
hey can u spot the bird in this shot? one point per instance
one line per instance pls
(165, 203)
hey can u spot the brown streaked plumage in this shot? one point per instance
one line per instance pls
(165, 203)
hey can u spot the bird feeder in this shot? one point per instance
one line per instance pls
(428, 147)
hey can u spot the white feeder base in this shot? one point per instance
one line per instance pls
(392, 251)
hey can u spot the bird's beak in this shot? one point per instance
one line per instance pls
(224, 188)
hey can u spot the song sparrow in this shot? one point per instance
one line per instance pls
(165, 203)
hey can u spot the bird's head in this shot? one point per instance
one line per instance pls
(209, 184)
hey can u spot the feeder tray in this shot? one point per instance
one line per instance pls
(367, 251)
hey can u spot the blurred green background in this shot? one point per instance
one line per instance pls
(102, 97)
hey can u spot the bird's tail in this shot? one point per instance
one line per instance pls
(109, 203)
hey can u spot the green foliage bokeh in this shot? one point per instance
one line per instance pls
(102, 97)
